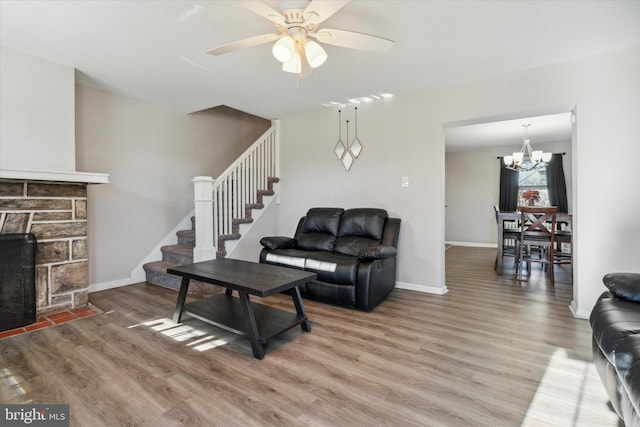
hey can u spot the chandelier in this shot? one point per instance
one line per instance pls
(537, 158)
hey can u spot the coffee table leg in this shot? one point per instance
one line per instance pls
(297, 301)
(182, 296)
(252, 327)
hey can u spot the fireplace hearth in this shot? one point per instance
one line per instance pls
(56, 214)
(17, 280)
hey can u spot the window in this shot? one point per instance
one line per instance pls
(534, 180)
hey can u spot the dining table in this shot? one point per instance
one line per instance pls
(511, 219)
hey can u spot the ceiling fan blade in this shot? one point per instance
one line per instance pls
(244, 43)
(265, 11)
(353, 40)
(320, 10)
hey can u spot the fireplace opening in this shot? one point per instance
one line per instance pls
(17, 280)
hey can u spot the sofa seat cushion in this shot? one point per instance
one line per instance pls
(287, 258)
(330, 267)
(333, 267)
(612, 320)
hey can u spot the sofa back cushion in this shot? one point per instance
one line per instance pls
(319, 229)
(360, 229)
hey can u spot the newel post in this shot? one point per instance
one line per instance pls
(203, 199)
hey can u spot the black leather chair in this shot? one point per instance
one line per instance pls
(352, 251)
(615, 323)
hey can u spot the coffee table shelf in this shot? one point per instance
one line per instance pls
(226, 312)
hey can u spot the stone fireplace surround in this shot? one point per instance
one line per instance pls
(56, 213)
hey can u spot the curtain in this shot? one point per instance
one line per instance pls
(556, 184)
(508, 188)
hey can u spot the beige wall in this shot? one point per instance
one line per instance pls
(151, 155)
(472, 189)
(36, 113)
(404, 137)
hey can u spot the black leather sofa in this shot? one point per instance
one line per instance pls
(352, 251)
(615, 323)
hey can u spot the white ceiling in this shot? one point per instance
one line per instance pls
(547, 128)
(155, 50)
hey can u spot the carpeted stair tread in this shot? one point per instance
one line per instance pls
(157, 275)
(178, 254)
(186, 237)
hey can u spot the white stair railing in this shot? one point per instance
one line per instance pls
(218, 202)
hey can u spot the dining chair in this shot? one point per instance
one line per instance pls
(508, 235)
(537, 234)
(563, 252)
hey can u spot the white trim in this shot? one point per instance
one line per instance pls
(438, 290)
(231, 245)
(96, 287)
(473, 245)
(89, 178)
(577, 313)
(138, 272)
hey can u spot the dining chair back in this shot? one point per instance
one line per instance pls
(537, 237)
(508, 235)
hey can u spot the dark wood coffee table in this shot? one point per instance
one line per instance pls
(239, 315)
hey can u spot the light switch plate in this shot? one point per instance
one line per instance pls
(405, 181)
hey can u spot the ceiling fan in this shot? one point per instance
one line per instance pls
(296, 26)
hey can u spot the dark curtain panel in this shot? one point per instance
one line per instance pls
(508, 188)
(556, 183)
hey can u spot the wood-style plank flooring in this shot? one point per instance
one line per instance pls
(491, 352)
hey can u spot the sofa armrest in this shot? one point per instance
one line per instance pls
(278, 242)
(377, 252)
(623, 285)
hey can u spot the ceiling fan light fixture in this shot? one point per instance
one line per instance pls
(283, 50)
(316, 55)
(294, 65)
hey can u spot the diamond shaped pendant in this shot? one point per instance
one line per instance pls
(356, 147)
(347, 161)
(339, 149)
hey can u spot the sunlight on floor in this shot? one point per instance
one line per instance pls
(201, 340)
(570, 394)
(12, 383)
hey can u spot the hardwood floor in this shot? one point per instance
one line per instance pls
(491, 352)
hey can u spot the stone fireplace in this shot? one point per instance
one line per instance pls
(56, 213)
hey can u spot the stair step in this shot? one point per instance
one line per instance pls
(182, 253)
(157, 275)
(242, 220)
(225, 237)
(177, 254)
(187, 238)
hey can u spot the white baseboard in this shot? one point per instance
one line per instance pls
(113, 284)
(473, 245)
(577, 313)
(438, 290)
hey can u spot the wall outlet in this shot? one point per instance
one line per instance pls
(405, 181)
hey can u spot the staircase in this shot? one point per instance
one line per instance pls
(226, 204)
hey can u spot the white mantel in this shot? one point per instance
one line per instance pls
(88, 177)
